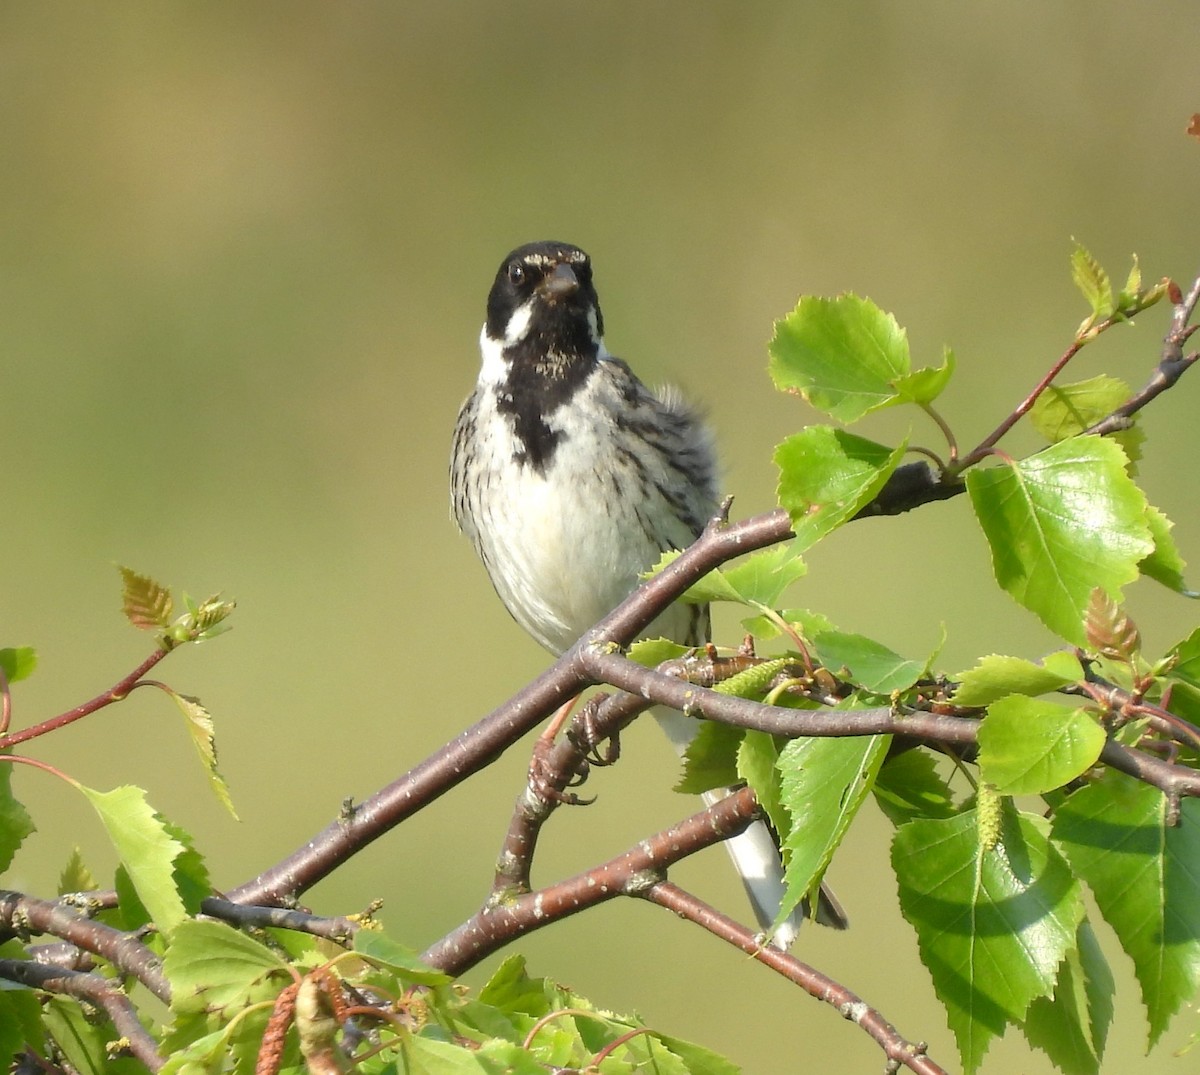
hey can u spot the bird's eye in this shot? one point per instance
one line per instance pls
(516, 274)
(584, 271)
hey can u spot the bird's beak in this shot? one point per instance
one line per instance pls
(560, 283)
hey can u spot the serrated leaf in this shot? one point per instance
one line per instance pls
(15, 822)
(1028, 746)
(1186, 663)
(1133, 284)
(381, 950)
(206, 619)
(651, 652)
(146, 604)
(923, 386)
(992, 926)
(756, 580)
(996, 676)
(1164, 564)
(18, 662)
(1092, 282)
(807, 624)
(909, 786)
(75, 876)
(1061, 523)
(710, 758)
(213, 967)
(1142, 872)
(189, 871)
(1071, 1027)
(1066, 410)
(199, 724)
(872, 665)
(757, 758)
(843, 355)
(826, 476)
(145, 848)
(823, 784)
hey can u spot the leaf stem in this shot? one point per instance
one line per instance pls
(116, 693)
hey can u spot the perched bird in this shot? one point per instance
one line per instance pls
(571, 478)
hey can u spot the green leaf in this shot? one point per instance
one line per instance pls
(1072, 1026)
(76, 877)
(807, 624)
(824, 782)
(651, 652)
(756, 580)
(1092, 282)
(215, 968)
(925, 385)
(83, 1039)
(1028, 746)
(20, 1015)
(146, 604)
(1066, 410)
(1132, 290)
(146, 850)
(15, 822)
(18, 662)
(199, 724)
(757, 758)
(872, 665)
(996, 676)
(826, 476)
(992, 926)
(909, 786)
(189, 872)
(1142, 871)
(845, 356)
(1186, 656)
(381, 950)
(1164, 564)
(709, 761)
(1061, 523)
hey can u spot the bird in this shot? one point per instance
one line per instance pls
(571, 478)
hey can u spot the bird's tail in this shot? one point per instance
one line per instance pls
(756, 858)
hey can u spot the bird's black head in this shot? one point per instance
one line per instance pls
(542, 301)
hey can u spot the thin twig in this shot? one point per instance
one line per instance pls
(911, 1055)
(115, 693)
(340, 930)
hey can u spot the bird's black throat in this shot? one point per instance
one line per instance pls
(545, 372)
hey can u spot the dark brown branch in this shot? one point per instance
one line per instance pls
(552, 772)
(492, 927)
(339, 930)
(26, 914)
(96, 990)
(911, 1055)
(1171, 366)
(698, 701)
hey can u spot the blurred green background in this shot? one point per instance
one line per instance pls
(245, 251)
